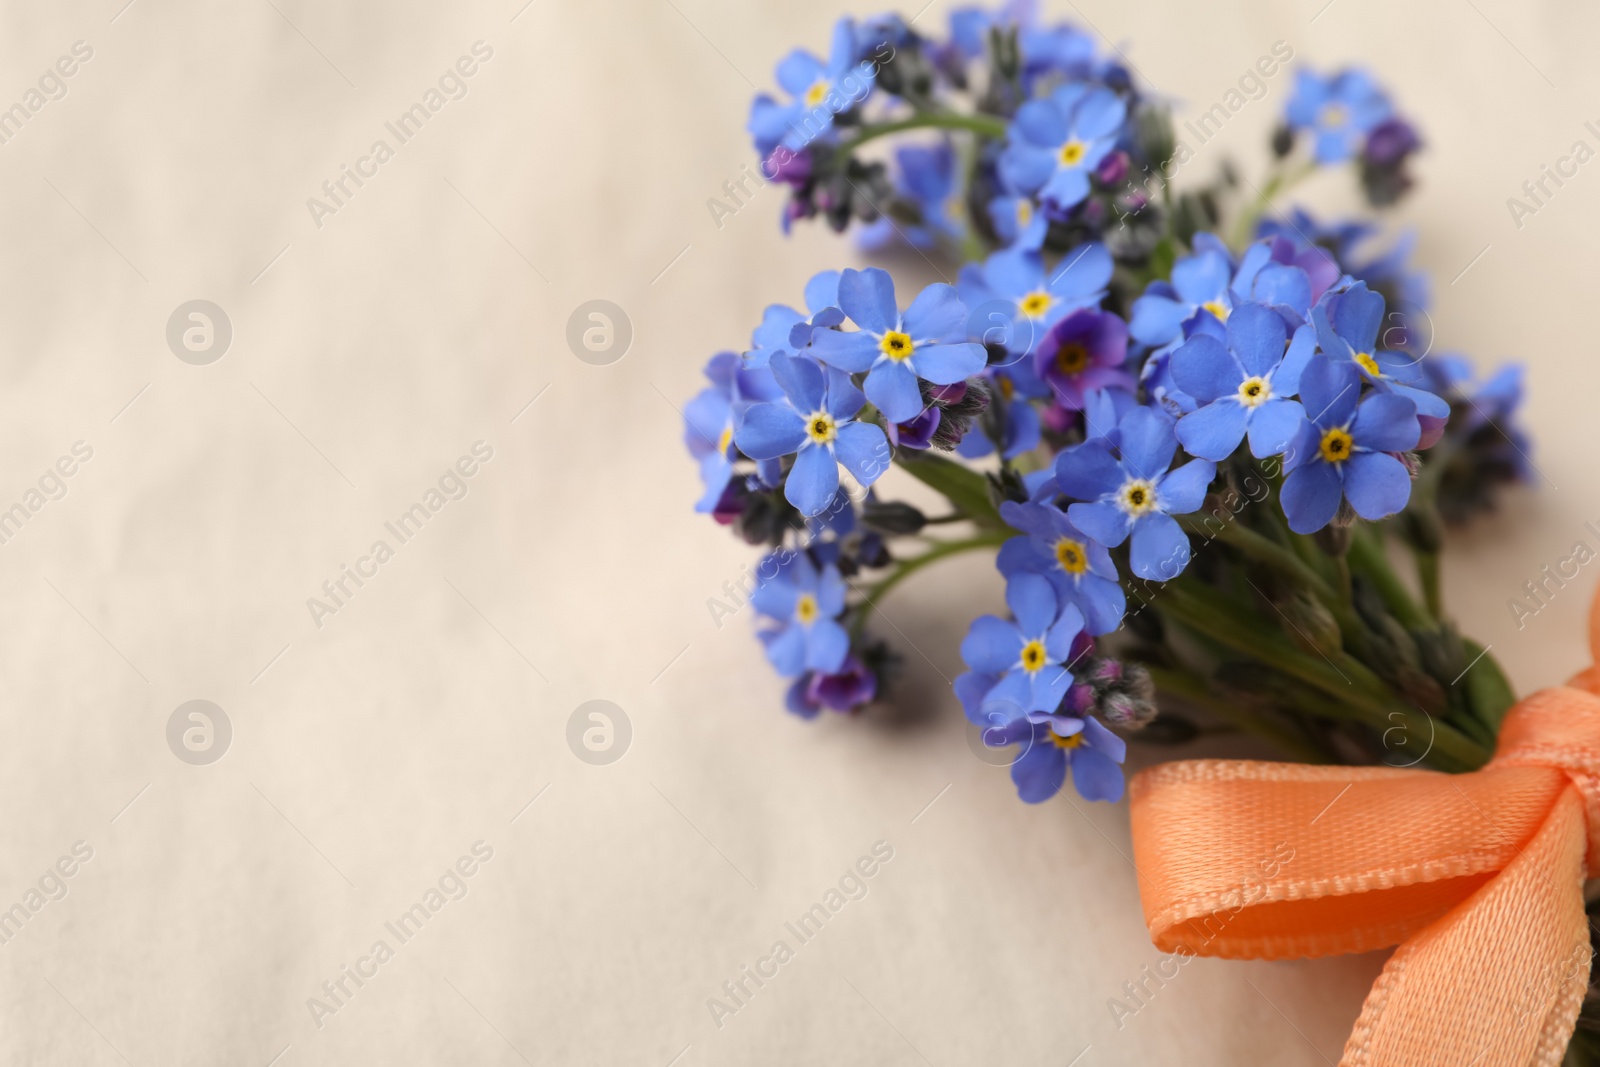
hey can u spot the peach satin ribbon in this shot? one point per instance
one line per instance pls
(1477, 877)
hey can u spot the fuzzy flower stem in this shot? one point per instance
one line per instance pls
(907, 567)
(1193, 690)
(983, 125)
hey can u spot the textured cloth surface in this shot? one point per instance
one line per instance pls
(369, 354)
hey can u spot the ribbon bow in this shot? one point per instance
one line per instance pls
(1477, 877)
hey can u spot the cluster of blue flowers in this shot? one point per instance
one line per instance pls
(1106, 413)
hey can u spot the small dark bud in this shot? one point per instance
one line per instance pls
(892, 517)
(1282, 140)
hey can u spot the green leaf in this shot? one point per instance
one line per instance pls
(964, 487)
(1488, 690)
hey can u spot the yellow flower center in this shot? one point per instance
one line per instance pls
(1033, 656)
(1137, 497)
(1024, 211)
(725, 440)
(1335, 446)
(1066, 742)
(1365, 361)
(897, 346)
(1071, 556)
(1072, 152)
(821, 428)
(805, 609)
(1334, 115)
(1036, 303)
(817, 93)
(1253, 392)
(1008, 389)
(1072, 358)
(1217, 308)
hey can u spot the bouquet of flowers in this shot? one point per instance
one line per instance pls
(1205, 436)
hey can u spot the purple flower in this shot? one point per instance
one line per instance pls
(1127, 489)
(1243, 386)
(928, 341)
(815, 423)
(806, 602)
(1344, 451)
(846, 689)
(1084, 351)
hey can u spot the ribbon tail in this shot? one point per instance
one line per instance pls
(1497, 981)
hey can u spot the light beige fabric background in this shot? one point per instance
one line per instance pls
(368, 353)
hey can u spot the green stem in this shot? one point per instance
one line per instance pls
(1367, 558)
(983, 125)
(1282, 180)
(1285, 561)
(1335, 673)
(1193, 689)
(907, 567)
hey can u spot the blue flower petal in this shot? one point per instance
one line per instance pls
(1040, 773)
(1096, 776)
(893, 388)
(1148, 442)
(854, 351)
(1103, 740)
(1157, 319)
(1329, 391)
(799, 71)
(1058, 642)
(1183, 490)
(1106, 523)
(1357, 315)
(1386, 423)
(1214, 431)
(1088, 472)
(937, 314)
(1042, 122)
(1160, 549)
(1205, 369)
(1081, 279)
(786, 650)
(863, 450)
(1033, 601)
(944, 364)
(970, 688)
(1067, 187)
(1257, 335)
(992, 645)
(867, 296)
(813, 480)
(1102, 602)
(801, 380)
(1050, 685)
(822, 291)
(1311, 496)
(1009, 700)
(1026, 167)
(767, 431)
(1099, 115)
(1201, 277)
(1273, 427)
(827, 644)
(1302, 346)
(1376, 484)
(830, 592)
